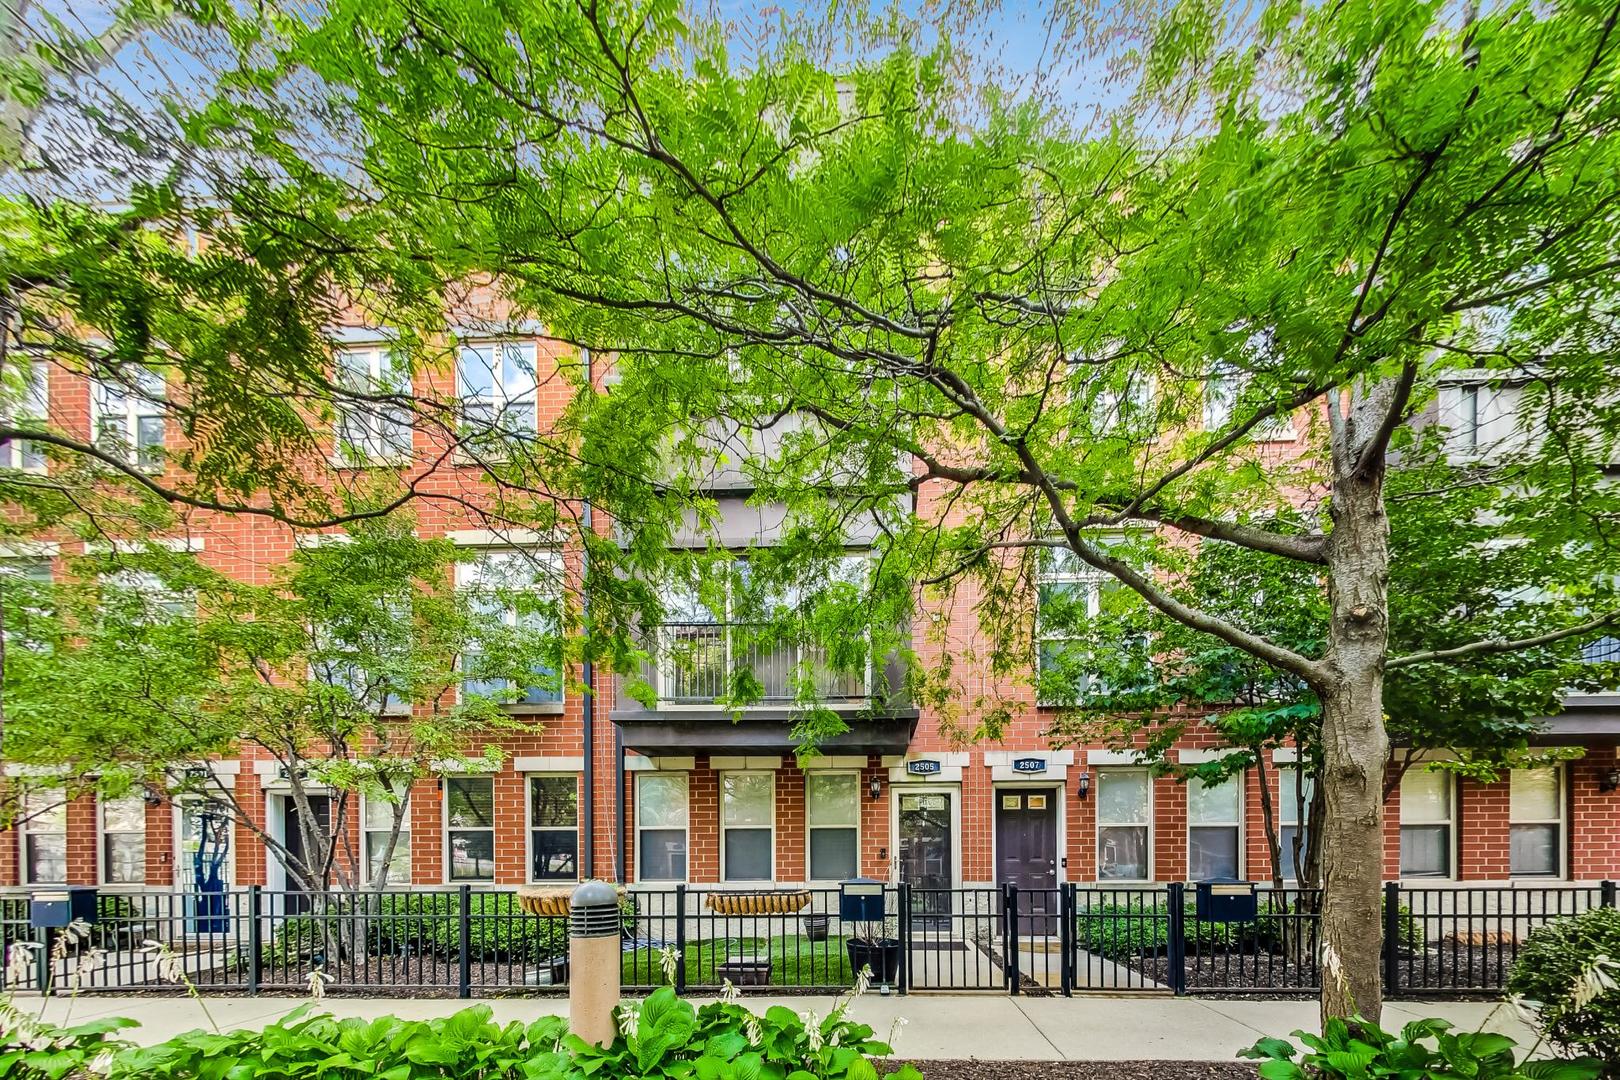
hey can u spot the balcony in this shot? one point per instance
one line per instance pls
(740, 686)
(701, 663)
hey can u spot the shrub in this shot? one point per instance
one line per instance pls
(33, 1050)
(1550, 967)
(429, 923)
(665, 1039)
(1356, 1049)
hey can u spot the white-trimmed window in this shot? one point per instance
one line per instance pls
(1214, 828)
(127, 417)
(1068, 593)
(370, 426)
(515, 592)
(44, 838)
(1536, 822)
(24, 583)
(661, 816)
(469, 822)
(1293, 813)
(1223, 390)
(832, 804)
(1127, 411)
(554, 828)
(123, 840)
(1426, 823)
(747, 817)
(378, 817)
(148, 597)
(497, 385)
(1124, 825)
(32, 405)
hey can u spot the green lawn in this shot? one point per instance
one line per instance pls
(795, 961)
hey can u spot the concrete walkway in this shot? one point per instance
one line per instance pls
(984, 1026)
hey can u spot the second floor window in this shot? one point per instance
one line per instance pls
(127, 415)
(832, 814)
(514, 593)
(747, 814)
(1069, 594)
(374, 417)
(497, 385)
(378, 817)
(661, 815)
(32, 405)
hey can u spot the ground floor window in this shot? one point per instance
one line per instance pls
(553, 828)
(1294, 793)
(379, 826)
(44, 837)
(747, 813)
(1214, 828)
(661, 826)
(1124, 820)
(123, 840)
(832, 806)
(1535, 822)
(1426, 823)
(470, 827)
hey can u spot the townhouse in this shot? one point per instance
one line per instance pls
(600, 784)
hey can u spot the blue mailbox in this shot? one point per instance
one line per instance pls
(1226, 900)
(861, 900)
(60, 908)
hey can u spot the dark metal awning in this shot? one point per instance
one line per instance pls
(1587, 720)
(765, 731)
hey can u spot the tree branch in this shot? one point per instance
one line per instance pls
(1488, 646)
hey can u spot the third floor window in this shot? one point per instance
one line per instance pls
(127, 414)
(374, 418)
(30, 404)
(496, 383)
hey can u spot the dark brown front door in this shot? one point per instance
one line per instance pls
(1026, 856)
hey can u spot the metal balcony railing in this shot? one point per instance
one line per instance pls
(697, 661)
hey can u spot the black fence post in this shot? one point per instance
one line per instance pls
(903, 924)
(1606, 893)
(255, 938)
(1009, 936)
(1066, 903)
(464, 967)
(1392, 936)
(680, 938)
(1176, 936)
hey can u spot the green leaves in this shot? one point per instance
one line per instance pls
(1357, 1050)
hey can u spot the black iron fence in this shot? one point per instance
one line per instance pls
(1442, 941)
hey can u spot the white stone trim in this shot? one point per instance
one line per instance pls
(948, 774)
(634, 762)
(1004, 774)
(837, 761)
(1113, 757)
(464, 766)
(14, 768)
(135, 547)
(561, 764)
(30, 549)
(1285, 755)
(1007, 757)
(501, 538)
(736, 764)
(1202, 757)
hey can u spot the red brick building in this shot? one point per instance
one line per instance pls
(604, 786)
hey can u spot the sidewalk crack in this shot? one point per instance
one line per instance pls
(1019, 1005)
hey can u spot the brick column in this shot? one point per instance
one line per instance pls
(1595, 817)
(427, 832)
(1169, 828)
(160, 845)
(511, 846)
(82, 837)
(1392, 835)
(876, 853)
(703, 824)
(1081, 820)
(791, 825)
(978, 820)
(1482, 830)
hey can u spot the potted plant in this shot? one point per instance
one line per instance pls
(815, 927)
(871, 946)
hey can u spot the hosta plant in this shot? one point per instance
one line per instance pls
(1357, 1049)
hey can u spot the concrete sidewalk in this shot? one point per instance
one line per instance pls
(984, 1026)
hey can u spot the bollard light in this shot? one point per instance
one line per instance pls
(593, 962)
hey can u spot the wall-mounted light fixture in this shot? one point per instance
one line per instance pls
(1085, 784)
(875, 789)
(1609, 781)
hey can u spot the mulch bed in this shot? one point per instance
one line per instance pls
(957, 1069)
(1455, 969)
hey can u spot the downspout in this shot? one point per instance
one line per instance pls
(588, 675)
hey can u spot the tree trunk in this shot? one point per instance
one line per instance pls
(1354, 746)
